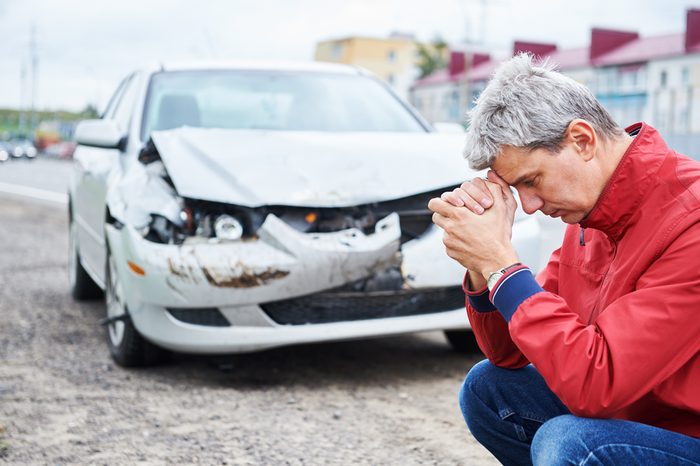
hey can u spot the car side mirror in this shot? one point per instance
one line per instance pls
(448, 127)
(99, 133)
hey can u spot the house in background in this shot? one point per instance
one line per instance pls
(443, 96)
(655, 79)
(392, 59)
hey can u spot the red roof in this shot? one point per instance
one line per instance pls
(644, 49)
(638, 50)
(483, 71)
(570, 58)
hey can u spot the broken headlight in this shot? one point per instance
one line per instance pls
(227, 227)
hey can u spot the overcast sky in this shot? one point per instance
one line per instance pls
(85, 47)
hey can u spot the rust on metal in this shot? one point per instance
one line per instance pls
(247, 279)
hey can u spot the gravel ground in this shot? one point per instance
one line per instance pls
(63, 401)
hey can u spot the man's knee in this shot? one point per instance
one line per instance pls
(559, 441)
(475, 383)
(474, 391)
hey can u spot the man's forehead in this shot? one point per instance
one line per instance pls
(512, 164)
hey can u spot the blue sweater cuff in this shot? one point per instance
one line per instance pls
(512, 289)
(478, 299)
(480, 302)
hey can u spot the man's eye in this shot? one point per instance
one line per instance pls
(529, 183)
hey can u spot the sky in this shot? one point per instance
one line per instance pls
(85, 47)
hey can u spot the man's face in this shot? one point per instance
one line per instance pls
(561, 185)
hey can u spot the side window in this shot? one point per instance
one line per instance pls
(109, 111)
(125, 107)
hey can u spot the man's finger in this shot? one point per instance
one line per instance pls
(468, 201)
(493, 177)
(478, 191)
(440, 220)
(441, 207)
(505, 187)
(453, 198)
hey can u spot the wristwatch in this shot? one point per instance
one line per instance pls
(495, 276)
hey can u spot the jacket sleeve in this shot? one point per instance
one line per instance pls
(491, 329)
(635, 344)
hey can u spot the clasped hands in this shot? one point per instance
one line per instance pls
(477, 219)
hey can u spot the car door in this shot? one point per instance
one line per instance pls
(93, 166)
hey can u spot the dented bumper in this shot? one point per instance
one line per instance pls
(280, 263)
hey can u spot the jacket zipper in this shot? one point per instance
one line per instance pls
(602, 282)
(581, 241)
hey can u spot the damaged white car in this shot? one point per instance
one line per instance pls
(233, 208)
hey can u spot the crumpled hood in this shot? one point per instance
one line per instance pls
(254, 168)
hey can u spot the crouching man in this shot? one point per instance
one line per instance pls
(597, 361)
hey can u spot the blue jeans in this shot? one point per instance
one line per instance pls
(521, 421)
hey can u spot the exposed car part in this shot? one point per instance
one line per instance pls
(199, 217)
(227, 227)
(111, 320)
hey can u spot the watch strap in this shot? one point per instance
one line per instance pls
(494, 277)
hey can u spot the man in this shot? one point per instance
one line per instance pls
(597, 362)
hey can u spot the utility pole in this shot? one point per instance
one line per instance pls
(34, 60)
(483, 22)
(22, 97)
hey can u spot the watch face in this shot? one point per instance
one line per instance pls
(493, 279)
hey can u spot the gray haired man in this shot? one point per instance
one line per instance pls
(598, 360)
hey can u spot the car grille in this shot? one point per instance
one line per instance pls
(328, 307)
(208, 316)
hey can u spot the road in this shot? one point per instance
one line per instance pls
(62, 400)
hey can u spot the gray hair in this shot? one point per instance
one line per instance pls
(530, 105)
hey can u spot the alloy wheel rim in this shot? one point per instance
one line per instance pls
(115, 304)
(72, 256)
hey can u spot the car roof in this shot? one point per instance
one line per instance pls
(259, 65)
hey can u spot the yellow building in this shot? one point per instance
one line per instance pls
(392, 59)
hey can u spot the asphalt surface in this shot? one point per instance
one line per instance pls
(63, 401)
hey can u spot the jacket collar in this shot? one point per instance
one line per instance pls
(629, 183)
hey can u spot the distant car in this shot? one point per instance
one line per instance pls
(234, 208)
(23, 148)
(61, 150)
(5, 150)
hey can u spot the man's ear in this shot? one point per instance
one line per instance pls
(583, 137)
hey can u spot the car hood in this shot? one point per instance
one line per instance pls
(314, 169)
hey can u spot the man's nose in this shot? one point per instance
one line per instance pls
(530, 203)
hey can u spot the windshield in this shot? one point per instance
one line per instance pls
(278, 101)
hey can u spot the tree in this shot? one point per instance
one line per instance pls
(431, 57)
(90, 111)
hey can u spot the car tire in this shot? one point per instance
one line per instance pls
(126, 345)
(82, 286)
(463, 341)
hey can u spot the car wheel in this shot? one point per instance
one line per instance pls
(462, 341)
(127, 347)
(81, 284)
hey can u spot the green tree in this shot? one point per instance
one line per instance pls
(431, 57)
(90, 111)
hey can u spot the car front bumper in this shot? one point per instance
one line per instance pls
(281, 264)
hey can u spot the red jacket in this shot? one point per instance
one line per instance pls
(614, 328)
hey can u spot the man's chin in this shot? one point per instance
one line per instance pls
(571, 218)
